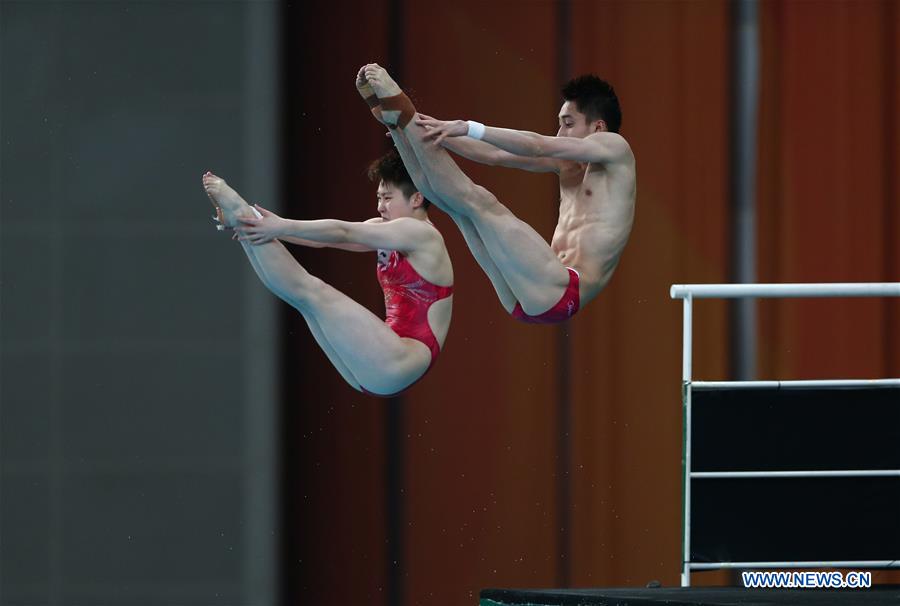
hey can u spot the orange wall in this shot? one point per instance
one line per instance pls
(828, 194)
(669, 63)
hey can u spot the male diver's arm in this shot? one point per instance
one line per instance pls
(600, 147)
(597, 148)
(485, 153)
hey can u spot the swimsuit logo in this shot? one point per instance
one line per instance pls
(571, 307)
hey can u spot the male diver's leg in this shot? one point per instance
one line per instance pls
(473, 240)
(527, 263)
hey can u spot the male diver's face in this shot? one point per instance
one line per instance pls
(392, 204)
(572, 123)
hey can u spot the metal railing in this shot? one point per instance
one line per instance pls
(689, 292)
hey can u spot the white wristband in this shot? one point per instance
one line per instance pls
(476, 129)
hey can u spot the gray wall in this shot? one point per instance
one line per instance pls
(137, 367)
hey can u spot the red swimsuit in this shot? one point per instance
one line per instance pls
(567, 306)
(407, 297)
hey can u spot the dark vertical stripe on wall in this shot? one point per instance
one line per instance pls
(563, 395)
(892, 215)
(394, 505)
(282, 542)
(289, 415)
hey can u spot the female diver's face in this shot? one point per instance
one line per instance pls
(392, 204)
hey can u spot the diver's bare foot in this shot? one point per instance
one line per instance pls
(393, 110)
(366, 91)
(363, 87)
(230, 206)
(381, 81)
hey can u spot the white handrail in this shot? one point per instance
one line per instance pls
(743, 291)
(848, 473)
(810, 564)
(804, 384)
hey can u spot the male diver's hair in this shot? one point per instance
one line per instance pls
(596, 99)
(390, 169)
